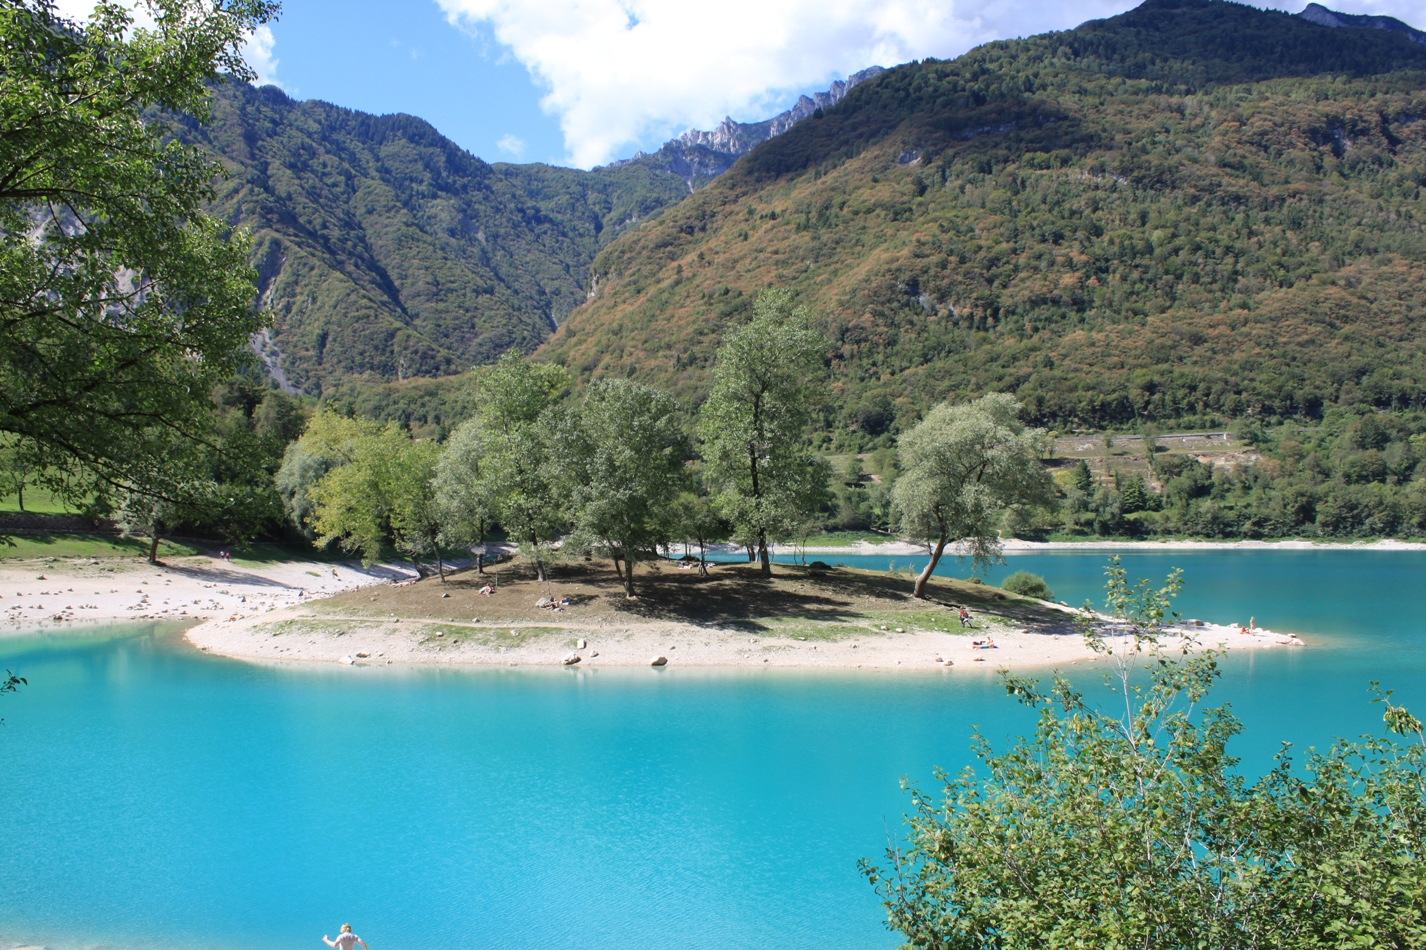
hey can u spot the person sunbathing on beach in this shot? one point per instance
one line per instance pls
(345, 939)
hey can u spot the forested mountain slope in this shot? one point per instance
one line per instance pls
(386, 252)
(1193, 208)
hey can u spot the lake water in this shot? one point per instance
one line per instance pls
(154, 797)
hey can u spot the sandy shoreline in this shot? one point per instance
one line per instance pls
(57, 592)
(279, 613)
(297, 635)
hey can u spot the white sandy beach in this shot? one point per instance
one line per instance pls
(303, 635)
(274, 613)
(50, 592)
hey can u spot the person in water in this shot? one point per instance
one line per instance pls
(345, 939)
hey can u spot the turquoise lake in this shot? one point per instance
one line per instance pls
(154, 797)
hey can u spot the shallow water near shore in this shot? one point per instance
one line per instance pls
(157, 797)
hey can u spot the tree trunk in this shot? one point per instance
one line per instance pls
(440, 565)
(617, 572)
(920, 590)
(480, 564)
(629, 579)
(762, 553)
(752, 552)
(20, 495)
(539, 563)
(153, 544)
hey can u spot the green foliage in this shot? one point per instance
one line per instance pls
(121, 302)
(520, 467)
(1194, 208)
(1132, 825)
(385, 252)
(382, 494)
(622, 456)
(964, 466)
(1028, 585)
(1359, 474)
(753, 426)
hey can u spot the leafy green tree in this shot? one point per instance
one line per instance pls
(468, 500)
(1132, 826)
(517, 421)
(963, 466)
(623, 457)
(1083, 477)
(767, 384)
(329, 441)
(383, 494)
(121, 302)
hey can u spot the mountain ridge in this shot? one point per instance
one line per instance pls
(697, 156)
(1192, 208)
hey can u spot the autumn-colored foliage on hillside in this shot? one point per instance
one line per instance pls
(1196, 208)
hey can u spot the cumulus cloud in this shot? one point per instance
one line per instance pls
(620, 73)
(511, 144)
(257, 52)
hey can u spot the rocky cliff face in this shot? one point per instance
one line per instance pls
(1316, 13)
(697, 156)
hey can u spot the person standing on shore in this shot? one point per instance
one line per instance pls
(345, 939)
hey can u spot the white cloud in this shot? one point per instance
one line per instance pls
(257, 51)
(619, 73)
(511, 144)
(624, 73)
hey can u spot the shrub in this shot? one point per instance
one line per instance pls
(1028, 585)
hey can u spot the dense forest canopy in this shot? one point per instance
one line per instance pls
(1194, 209)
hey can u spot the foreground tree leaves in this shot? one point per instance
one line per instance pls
(121, 303)
(1131, 825)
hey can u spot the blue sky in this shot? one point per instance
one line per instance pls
(584, 82)
(385, 56)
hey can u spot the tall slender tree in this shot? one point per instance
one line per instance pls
(767, 385)
(516, 423)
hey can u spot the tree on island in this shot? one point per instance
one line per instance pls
(516, 428)
(467, 500)
(962, 467)
(1133, 826)
(623, 456)
(767, 385)
(122, 303)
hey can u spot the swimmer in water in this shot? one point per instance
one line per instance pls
(345, 939)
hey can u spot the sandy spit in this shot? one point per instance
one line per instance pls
(304, 634)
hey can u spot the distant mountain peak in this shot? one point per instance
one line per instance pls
(1317, 13)
(698, 155)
